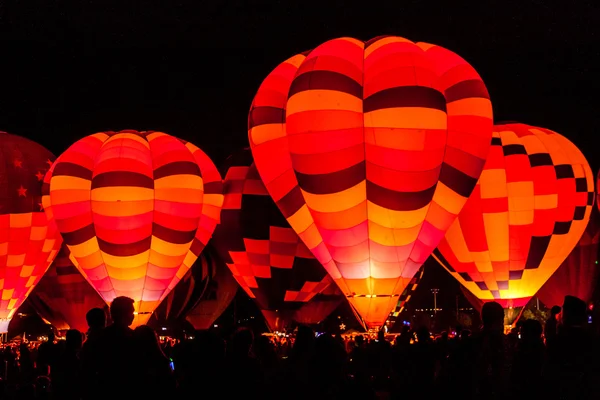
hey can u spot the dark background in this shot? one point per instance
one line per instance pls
(190, 68)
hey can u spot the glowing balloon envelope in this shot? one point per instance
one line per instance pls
(135, 209)
(63, 296)
(578, 274)
(530, 207)
(29, 240)
(266, 257)
(370, 150)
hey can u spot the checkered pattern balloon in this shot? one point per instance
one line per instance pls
(29, 240)
(264, 254)
(135, 209)
(370, 150)
(528, 211)
(406, 295)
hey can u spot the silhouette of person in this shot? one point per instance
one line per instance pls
(153, 373)
(551, 326)
(494, 354)
(116, 358)
(90, 352)
(47, 355)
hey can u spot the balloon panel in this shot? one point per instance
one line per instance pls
(578, 274)
(190, 290)
(406, 295)
(264, 254)
(135, 209)
(529, 209)
(66, 293)
(29, 240)
(219, 294)
(370, 150)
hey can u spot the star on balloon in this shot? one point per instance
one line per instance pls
(342, 327)
(49, 162)
(39, 175)
(22, 191)
(18, 163)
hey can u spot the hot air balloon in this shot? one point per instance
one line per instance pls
(370, 150)
(63, 296)
(474, 301)
(320, 306)
(578, 274)
(405, 296)
(219, 294)
(49, 315)
(135, 209)
(528, 211)
(29, 241)
(264, 254)
(189, 291)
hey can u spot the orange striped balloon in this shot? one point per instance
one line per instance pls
(530, 208)
(370, 150)
(135, 209)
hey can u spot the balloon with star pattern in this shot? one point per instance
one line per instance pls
(29, 241)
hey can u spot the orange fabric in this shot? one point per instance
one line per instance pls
(370, 150)
(135, 210)
(530, 208)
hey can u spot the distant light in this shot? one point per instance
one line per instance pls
(163, 328)
(215, 326)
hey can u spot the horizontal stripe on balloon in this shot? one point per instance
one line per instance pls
(291, 202)
(125, 250)
(405, 96)
(122, 179)
(264, 115)
(70, 169)
(399, 201)
(172, 235)
(79, 236)
(457, 180)
(333, 182)
(177, 168)
(466, 89)
(325, 80)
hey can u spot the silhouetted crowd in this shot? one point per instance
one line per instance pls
(557, 361)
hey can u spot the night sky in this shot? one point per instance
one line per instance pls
(191, 69)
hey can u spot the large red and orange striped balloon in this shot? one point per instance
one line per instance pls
(29, 241)
(370, 150)
(135, 209)
(530, 207)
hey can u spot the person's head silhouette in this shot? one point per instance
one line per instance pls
(574, 311)
(492, 316)
(96, 318)
(122, 311)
